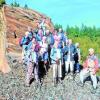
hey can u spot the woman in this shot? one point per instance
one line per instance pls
(56, 62)
(32, 64)
(90, 67)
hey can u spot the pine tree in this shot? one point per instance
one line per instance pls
(15, 4)
(26, 6)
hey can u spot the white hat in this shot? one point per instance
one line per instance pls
(26, 33)
(77, 44)
(91, 50)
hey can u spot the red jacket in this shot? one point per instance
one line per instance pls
(96, 63)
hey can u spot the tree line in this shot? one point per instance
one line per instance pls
(13, 4)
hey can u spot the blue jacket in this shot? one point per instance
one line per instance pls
(30, 35)
(66, 52)
(55, 53)
(50, 39)
(38, 38)
(43, 57)
(62, 37)
(33, 56)
(25, 41)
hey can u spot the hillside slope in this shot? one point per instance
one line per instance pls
(17, 20)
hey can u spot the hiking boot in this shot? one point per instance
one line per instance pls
(37, 84)
(55, 82)
(93, 91)
(59, 80)
(72, 76)
(27, 85)
(67, 77)
(66, 74)
(77, 71)
(80, 84)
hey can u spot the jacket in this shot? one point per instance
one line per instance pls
(55, 55)
(69, 51)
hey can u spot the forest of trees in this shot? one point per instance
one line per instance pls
(15, 4)
(88, 37)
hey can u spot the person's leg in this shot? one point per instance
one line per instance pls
(72, 66)
(94, 80)
(54, 73)
(77, 67)
(66, 66)
(29, 73)
(23, 54)
(59, 71)
(83, 73)
(36, 72)
(49, 51)
(45, 67)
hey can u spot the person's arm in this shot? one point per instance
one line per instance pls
(46, 57)
(96, 65)
(75, 50)
(65, 51)
(85, 64)
(52, 40)
(52, 54)
(79, 55)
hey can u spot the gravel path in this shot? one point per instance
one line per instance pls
(12, 87)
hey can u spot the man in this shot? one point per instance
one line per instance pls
(50, 42)
(77, 58)
(43, 26)
(68, 53)
(50, 38)
(62, 36)
(30, 33)
(90, 67)
(32, 64)
(43, 53)
(56, 63)
(39, 36)
(25, 40)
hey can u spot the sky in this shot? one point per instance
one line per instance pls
(67, 12)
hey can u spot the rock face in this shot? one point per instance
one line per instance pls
(17, 20)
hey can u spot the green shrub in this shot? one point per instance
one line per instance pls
(85, 44)
(2, 2)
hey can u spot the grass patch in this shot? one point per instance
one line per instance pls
(98, 73)
(86, 43)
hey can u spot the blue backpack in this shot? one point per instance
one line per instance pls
(23, 41)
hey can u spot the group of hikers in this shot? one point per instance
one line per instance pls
(41, 48)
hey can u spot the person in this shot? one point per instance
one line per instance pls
(50, 38)
(62, 36)
(30, 35)
(56, 63)
(44, 53)
(77, 58)
(43, 26)
(25, 41)
(55, 34)
(50, 42)
(39, 36)
(32, 64)
(68, 52)
(90, 67)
